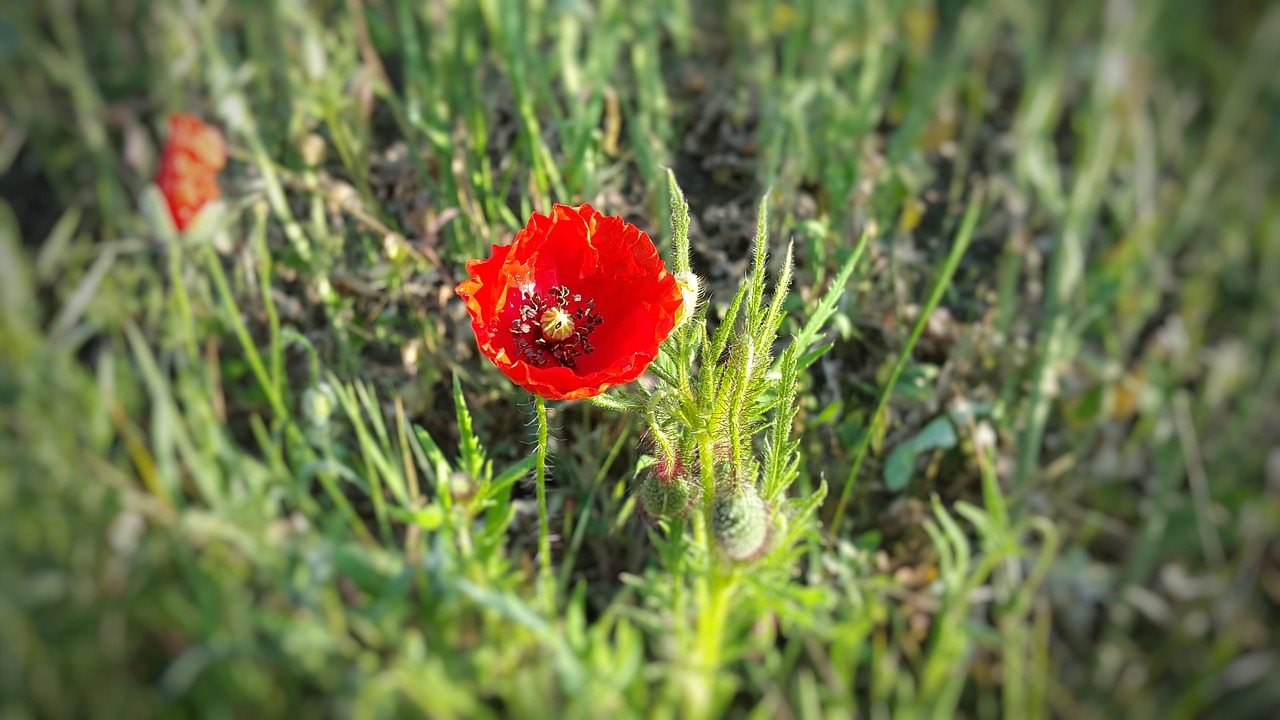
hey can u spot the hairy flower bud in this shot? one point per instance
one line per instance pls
(665, 492)
(740, 522)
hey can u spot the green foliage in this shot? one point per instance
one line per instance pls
(1024, 319)
(711, 409)
(937, 435)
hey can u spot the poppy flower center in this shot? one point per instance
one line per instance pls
(553, 328)
(556, 324)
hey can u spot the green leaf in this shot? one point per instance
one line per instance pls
(721, 337)
(17, 298)
(812, 356)
(679, 224)
(508, 477)
(937, 435)
(52, 256)
(774, 315)
(620, 402)
(915, 384)
(428, 518)
(439, 464)
(471, 454)
(826, 307)
(760, 252)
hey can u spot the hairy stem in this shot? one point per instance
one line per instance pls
(706, 590)
(544, 527)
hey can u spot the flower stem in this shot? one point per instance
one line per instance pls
(711, 589)
(706, 466)
(544, 526)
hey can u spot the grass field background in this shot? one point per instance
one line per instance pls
(260, 469)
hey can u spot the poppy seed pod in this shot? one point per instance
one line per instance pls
(740, 522)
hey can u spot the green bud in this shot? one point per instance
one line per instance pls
(318, 404)
(461, 486)
(740, 522)
(665, 497)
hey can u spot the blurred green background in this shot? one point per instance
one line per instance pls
(235, 479)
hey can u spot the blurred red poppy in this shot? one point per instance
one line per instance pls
(577, 303)
(193, 155)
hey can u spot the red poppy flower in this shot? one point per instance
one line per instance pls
(577, 303)
(193, 156)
